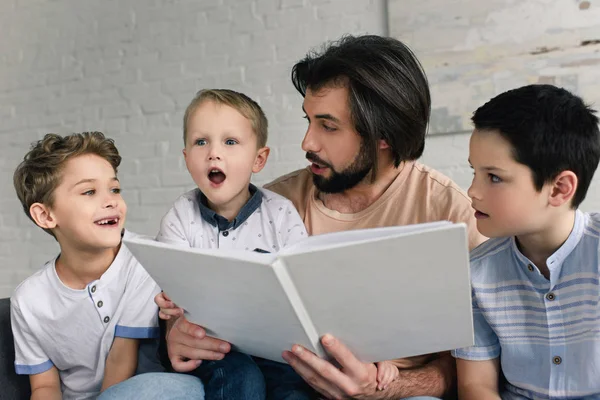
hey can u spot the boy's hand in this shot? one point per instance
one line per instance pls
(386, 374)
(167, 307)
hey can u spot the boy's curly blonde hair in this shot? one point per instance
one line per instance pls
(39, 174)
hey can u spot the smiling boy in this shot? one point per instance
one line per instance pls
(78, 320)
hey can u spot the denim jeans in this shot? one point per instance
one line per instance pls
(235, 377)
(282, 382)
(156, 386)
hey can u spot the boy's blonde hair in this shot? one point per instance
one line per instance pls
(239, 101)
(39, 174)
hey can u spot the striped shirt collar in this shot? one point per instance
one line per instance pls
(556, 260)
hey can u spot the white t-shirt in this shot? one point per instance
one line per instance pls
(54, 325)
(268, 222)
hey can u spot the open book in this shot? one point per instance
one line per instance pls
(386, 293)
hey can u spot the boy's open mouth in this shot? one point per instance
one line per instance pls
(479, 214)
(107, 221)
(216, 176)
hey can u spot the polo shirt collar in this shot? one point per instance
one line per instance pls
(223, 223)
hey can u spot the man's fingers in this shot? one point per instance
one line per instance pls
(182, 325)
(380, 373)
(180, 351)
(325, 370)
(174, 311)
(164, 316)
(190, 341)
(184, 366)
(349, 363)
(327, 389)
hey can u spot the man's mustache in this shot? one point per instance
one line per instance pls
(317, 160)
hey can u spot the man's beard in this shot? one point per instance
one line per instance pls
(343, 180)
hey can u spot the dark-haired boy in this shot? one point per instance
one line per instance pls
(535, 284)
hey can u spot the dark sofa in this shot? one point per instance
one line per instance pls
(12, 386)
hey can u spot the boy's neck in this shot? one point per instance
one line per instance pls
(77, 268)
(231, 209)
(539, 246)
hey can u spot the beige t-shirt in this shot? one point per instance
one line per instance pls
(418, 194)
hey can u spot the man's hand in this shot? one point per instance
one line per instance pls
(353, 379)
(188, 345)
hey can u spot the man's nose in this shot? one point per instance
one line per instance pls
(310, 142)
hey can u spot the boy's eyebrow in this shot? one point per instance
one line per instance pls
(487, 168)
(90, 180)
(324, 116)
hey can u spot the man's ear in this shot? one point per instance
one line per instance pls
(42, 216)
(382, 144)
(261, 159)
(563, 188)
(184, 154)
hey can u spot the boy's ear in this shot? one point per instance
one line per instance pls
(184, 154)
(42, 216)
(563, 188)
(261, 159)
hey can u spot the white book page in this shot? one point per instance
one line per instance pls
(392, 298)
(236, 300)
(326, 240)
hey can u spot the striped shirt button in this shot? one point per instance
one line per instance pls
(530, 268)
(557, 360)
(550, 296)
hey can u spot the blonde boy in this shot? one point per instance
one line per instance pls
(225, 135)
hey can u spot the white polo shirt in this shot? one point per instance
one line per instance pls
(54, 325)
(268, 222)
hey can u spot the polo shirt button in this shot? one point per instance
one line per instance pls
(100, 304)
(550, 297)
(225, 233)
(530, 268)
(106, 319)
(557, 360)
(94, 289)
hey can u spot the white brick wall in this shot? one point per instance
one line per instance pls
(474, 50)
(129, 68)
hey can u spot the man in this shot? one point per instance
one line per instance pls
(367, 103)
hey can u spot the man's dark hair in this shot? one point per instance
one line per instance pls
(550, 130)
(389, 93)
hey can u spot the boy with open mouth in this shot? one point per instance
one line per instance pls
(225, 135)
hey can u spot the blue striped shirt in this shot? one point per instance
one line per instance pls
(546, 332)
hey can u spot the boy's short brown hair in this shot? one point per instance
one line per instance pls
(38, 175)
(239, 101)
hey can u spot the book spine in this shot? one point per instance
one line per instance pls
(296, 301)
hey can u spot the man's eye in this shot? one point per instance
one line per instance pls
(230, 142)
(89, 192)
(200, 142)
(328, 128)
(116, 190)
